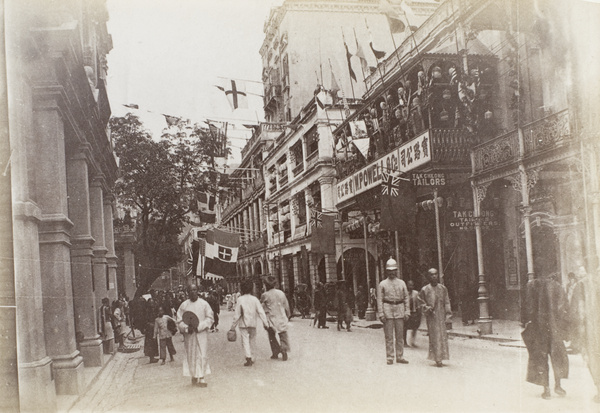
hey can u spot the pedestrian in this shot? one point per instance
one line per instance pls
(362, 301)
(163, 334)
(150, 342)
(277, 310)
(468, 304)
(393, 305)
(320, 303)
(105, 328)
(435, 304)
(344, 312)
(195, 317)
(586, 300)
(545, 329)
(213, 301)
(118, 322)
(414, 319)
(247, 309)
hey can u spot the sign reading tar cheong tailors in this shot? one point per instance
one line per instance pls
(464, 220)
(428, 179)
(412, 154)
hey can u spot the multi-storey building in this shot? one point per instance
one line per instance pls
(305, 47)
(58, 187)
(487, 110)
(304, 42)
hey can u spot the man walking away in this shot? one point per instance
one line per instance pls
(435, 304)
(393, 310)
(277, 309)
(344, 312)
(247, 310)
(546, 325)
(195, 318)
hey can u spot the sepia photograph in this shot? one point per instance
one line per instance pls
(300, 206)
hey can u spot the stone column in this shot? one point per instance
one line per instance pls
(246, 223)
(109, 239)
(327, 204)
(250, 221)
(99, 264)
(50, 185)
(85, 305)
(256, 214)
(37, 391)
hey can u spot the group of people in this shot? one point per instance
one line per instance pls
(399, 308)
(113, 320)
(554, 316)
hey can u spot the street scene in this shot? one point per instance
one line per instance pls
(300, 205)
(335, 371)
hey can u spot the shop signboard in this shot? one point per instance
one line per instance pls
(412, 154)
(460, 220)
(436, 179)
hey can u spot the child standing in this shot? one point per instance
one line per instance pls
(164, 335)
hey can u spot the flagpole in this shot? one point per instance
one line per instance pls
(361, 65)
(438, 235)
(398, 257)
(349, 65)
(370, 313)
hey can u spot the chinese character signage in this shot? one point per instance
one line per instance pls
(464, 220)
(412, 154)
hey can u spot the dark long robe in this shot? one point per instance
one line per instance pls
(436, 298)
(586, 307)
(547, 317)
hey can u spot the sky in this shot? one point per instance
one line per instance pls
(168, 55)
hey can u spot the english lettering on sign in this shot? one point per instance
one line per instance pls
(465, 220)
(405, 158)
(428, 179)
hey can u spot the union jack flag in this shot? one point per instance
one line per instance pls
(390, 185)
(316, 219)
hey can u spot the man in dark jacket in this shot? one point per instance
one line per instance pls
(213, 301)
(320, 303)
(547, 321)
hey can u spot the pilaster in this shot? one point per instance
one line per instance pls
(85, 305)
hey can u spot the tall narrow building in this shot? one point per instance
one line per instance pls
(333, 43)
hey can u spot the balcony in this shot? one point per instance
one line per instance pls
(312, 159)
(298, 169)
(540, 137)
(271, 94)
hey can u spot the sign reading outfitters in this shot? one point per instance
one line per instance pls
(412, 154)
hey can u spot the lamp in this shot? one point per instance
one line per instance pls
(436, 72)
(446, 94)
(444, 115)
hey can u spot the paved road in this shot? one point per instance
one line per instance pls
(331, 371)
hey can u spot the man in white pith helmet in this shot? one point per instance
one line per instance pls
(393, 309)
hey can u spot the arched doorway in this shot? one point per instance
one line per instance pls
(258, 268)
(354, 267)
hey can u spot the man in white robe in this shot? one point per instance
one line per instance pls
(195, 364)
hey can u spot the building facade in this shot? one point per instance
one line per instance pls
(485, 111)
(61, 172)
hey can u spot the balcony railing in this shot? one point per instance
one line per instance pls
(540, 136)
(450, 146)
(496, 153)
(312, 159)
(298, 169)
(547, 133)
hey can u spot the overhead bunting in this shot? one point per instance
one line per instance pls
(398, 204)
(206, 207)
(235, 90)
(221, 252)
(322, 233)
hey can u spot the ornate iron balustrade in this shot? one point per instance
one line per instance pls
(497, 152)
(547, 133)
(540, 136)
